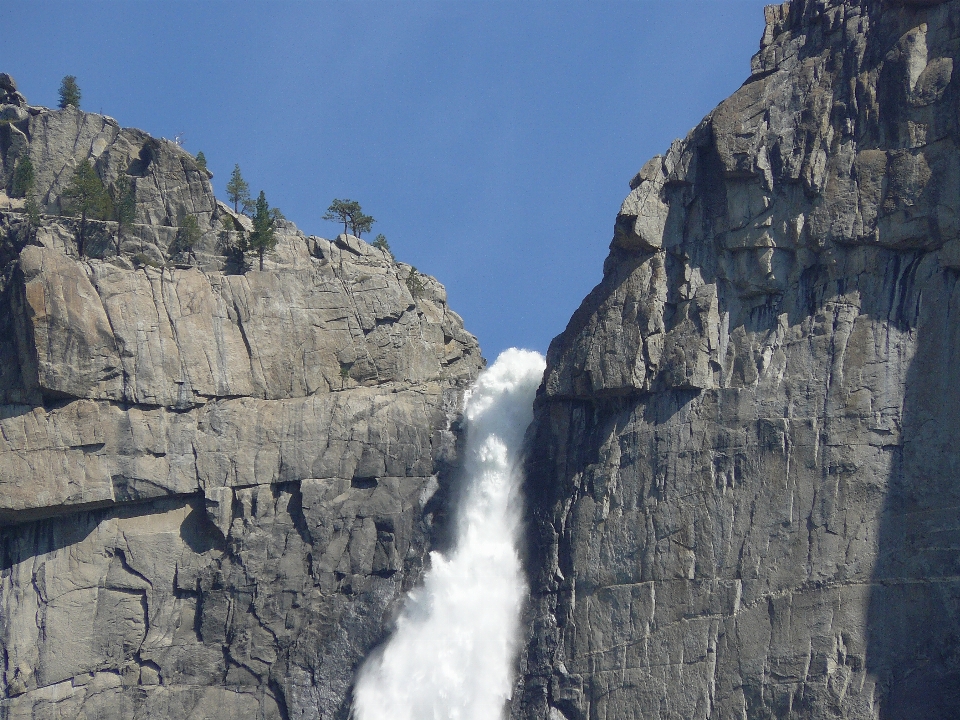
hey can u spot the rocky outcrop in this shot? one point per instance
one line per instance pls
(214, 486)
(743, 475)
(166, 180)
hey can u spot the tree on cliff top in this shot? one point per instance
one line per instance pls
(361, 223)
(350, 214)
(69, 92)
(264, 236)
(238, 191)
(341, 211)
(380, 242)
(86, 198)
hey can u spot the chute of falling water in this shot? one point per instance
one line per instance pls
(452, 654)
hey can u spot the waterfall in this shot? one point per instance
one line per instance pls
(452, 654)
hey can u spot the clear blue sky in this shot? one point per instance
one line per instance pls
(492, 141)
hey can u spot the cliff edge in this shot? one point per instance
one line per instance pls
(215, 486)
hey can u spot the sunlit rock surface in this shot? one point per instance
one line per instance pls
(214, 487)
(743, 489)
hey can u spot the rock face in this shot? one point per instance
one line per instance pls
(743, 489)
(214, 487)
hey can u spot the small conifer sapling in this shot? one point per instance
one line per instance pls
(380, 242)
(415, 283)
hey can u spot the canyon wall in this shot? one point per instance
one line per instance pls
(742, 484)
(215, 486)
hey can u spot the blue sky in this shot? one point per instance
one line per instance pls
(492, 141)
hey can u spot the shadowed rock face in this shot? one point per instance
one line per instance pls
(742, 485)
(214, 487)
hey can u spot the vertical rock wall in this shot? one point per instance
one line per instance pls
(743, 478)
(214, 487)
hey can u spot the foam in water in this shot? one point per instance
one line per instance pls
(452, 654)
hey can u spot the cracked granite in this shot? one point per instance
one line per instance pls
(215, 488)
(742, 475)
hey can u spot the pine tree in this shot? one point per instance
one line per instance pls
(340, 211)
(124, 201)
(32, 208)
(202, 162)
(238, 191)
(361, 223)
(188, 235)
(69, 92)
(350, 214)
(24, 178)
(85, 198)
(414, 283)
(232, 242)
(380, 242)
(264, 236)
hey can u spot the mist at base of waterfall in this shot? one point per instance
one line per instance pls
(452, 654)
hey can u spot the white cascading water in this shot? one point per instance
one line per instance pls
(452, 654)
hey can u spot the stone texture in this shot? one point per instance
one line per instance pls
(166, 180)
(742, 479)
(215, 488)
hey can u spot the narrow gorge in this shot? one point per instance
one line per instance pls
(295, 494)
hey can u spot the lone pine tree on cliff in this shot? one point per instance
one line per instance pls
(86, 198)
(340, 211)
(124, 201)
(350, 214)
(380, 242)
(69, 92)
(188, 235)
(238, 191)
(24, 181)
(24, 177)
(264, 236)
(361, 223)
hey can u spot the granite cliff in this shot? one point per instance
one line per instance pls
(743, 487)
(741, 482)
(214, 486)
